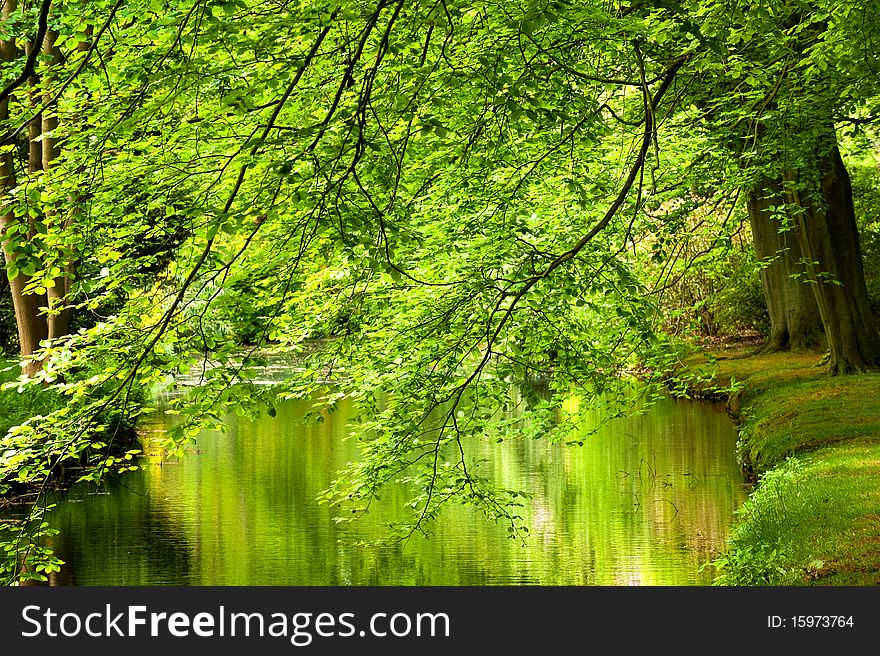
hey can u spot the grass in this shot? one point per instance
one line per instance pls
(726, 371)
(813, 443)
(799, 417)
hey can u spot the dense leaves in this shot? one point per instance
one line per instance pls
(458, 214)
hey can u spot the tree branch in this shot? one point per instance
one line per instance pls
(42, 28)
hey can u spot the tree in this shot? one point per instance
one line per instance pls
(425, 204)
(31, 328)
(796, 69)
(795, 323)
(40, 276)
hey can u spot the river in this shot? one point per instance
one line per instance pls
(647, 500)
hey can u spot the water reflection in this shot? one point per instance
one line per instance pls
(646, 501)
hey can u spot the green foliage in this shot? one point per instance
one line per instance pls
(33, 461)
(425, 204)
(810, 521)
(740, 305)
(759, 546)
(17, 406)
(8, 330)
(717, 294)
(865, 174)
(25, 552)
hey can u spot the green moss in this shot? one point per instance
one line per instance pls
(728, 370)
(795, 417)
(814, 443)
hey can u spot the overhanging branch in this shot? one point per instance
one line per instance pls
(42, 28)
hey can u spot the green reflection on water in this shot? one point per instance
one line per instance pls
(646, 501)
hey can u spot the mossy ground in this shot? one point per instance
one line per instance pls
(813, 443)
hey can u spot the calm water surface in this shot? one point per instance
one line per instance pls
(646, 501)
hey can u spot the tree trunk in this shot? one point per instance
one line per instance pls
(35, 127)
(823, 207)
(32, 328)
(795, 322)
(59, 314)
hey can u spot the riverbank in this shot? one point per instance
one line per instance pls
(812, 442)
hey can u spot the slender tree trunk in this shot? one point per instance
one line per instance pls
(823, 207)
(50, 120)
(35, 127)
(795, 322)
(59, 313)
(32, 328)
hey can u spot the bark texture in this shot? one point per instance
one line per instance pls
(59, 315)
(38, 316)
(795, 322)
(823, 207)
(32, 328)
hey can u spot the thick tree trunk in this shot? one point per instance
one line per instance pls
(823, 207)
(795, 322)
